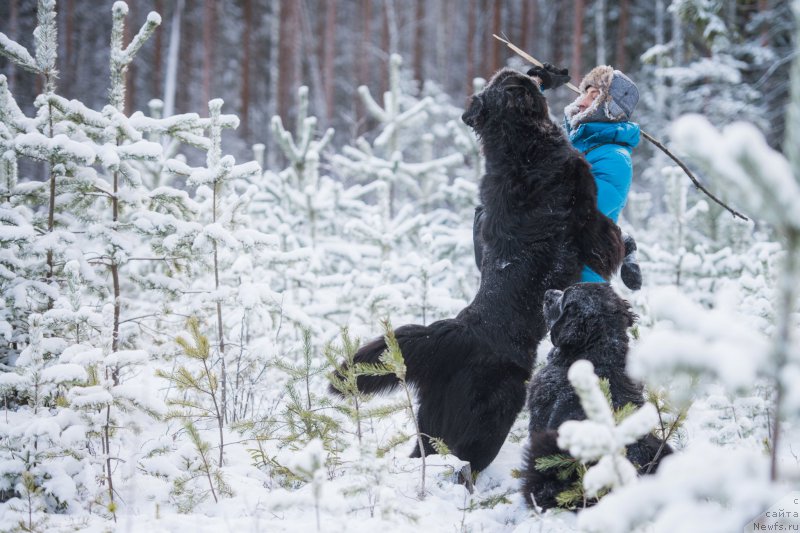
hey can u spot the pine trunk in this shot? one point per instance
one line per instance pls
(600, 31)
(130, 88)
(245, 93)
(189, 90)
(443, 37)
(763, 7)
(529, 26)
(274, 73)
(577, 37)
(329, 56)
(471, 27)
(419, 40)
(287, 80)
(366, 41)
(209, 14)
(157, 45)
(389, 39)
(68, 59)
(171, 81)
(497, 21)
(484, 46)
(622, 35)
(557, 44)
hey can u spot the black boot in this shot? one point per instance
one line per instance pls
(630, 272)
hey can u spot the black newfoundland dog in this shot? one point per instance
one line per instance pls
(587, 321)
(541, 225)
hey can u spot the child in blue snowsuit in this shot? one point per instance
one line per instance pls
(597, 124)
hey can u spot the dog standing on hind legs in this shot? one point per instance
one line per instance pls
(541, 226)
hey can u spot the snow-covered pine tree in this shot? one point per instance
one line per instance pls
(46, 466)
(699, 354)
(79, 244)
(399, 168)
(305, 209)
(223, 253)
(711, 66)
(716, 83)
(28, 285)
(698, 246)
(303, 153)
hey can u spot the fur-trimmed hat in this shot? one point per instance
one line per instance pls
(616, 102)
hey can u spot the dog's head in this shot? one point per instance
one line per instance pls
(510, 98)
(585, 315)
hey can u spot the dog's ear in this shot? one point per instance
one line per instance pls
(568, 330)
(523, 100)
(470, 116)
(526, 101)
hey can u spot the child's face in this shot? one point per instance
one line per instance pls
(588, 98)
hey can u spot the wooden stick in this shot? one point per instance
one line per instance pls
(646, 135)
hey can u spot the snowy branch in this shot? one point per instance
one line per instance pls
(17, 53)
(598, 438)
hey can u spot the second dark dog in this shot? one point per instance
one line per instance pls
(587, 321)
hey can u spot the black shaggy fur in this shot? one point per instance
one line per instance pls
(587, 321)
(541, 225)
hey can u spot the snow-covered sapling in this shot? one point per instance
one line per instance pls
(201, 398)
(301, 180)
(392, 363)
(599, 438)
(217, 485)
(346, 380)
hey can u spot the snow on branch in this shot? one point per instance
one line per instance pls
(689, 341)
(390, 115)
(415, 113)
(373, 108)
(10, 113)
(17, 53)
(46, 36)
(153, 21)
(598, 438)
(122, 57)
(704, 488)
(75, 111)
(59, 148)
(300, 150)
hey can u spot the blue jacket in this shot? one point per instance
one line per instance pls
(611, 165)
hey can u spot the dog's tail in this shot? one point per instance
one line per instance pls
(600, 244)
(426, 351)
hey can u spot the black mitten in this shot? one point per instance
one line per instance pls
(550, 75)
(630, 272)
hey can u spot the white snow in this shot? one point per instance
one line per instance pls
(688, 339)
